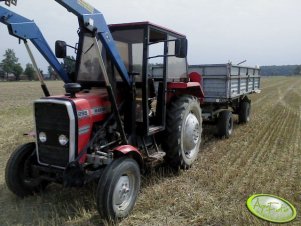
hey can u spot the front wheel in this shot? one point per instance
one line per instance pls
(118, 189)
(18, 172)
(184, 130)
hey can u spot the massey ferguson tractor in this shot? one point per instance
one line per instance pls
(118, 116)
(115, 118)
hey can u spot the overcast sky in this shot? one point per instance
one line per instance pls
(264, 32)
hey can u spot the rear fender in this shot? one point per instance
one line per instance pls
(130, 151)
(185, 88)
(196, 77)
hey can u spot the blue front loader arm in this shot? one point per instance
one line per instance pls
(93, 20)
(24, 29)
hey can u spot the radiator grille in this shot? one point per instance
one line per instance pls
(53, 120)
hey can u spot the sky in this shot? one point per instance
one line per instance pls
(263, 32)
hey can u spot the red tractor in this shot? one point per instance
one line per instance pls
(116, 118)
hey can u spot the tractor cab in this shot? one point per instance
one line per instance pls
(142, 46)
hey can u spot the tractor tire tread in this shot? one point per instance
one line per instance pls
(172, 143)
(12, 172)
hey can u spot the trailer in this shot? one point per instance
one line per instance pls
(226, 89)
(227, 82)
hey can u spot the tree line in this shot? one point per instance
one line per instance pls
(286, 70)
(11, 69)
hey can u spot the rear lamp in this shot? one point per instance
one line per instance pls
(63, 140)
(42, 137)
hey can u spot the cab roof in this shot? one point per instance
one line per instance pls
(145, 24)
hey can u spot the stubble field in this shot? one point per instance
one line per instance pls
(263, 156)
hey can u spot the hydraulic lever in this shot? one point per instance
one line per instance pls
(40, 77)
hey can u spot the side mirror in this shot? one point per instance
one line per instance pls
(181, 48)
(60, 49)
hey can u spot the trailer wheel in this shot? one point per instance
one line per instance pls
(225, 124)
(244, 112)
(183, 132)
(18, 174)
(118, 189)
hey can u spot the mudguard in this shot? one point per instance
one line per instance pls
(129, 150)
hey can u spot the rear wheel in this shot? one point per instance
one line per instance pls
(184, 129)
(18, 172)
(244, 113)
(118, 189)
(225, 124)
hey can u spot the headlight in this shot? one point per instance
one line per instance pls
(63, 140)
(42, 137)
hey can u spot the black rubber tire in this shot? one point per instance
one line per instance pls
(244, 112)
(18, 172)
(225, 124)
(107, 184)
(173, 144)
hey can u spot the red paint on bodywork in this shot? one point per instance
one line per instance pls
(91, 107)
(182, 85)
(196, 77)
(126, 149)
(193, 88)
(130, 151)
